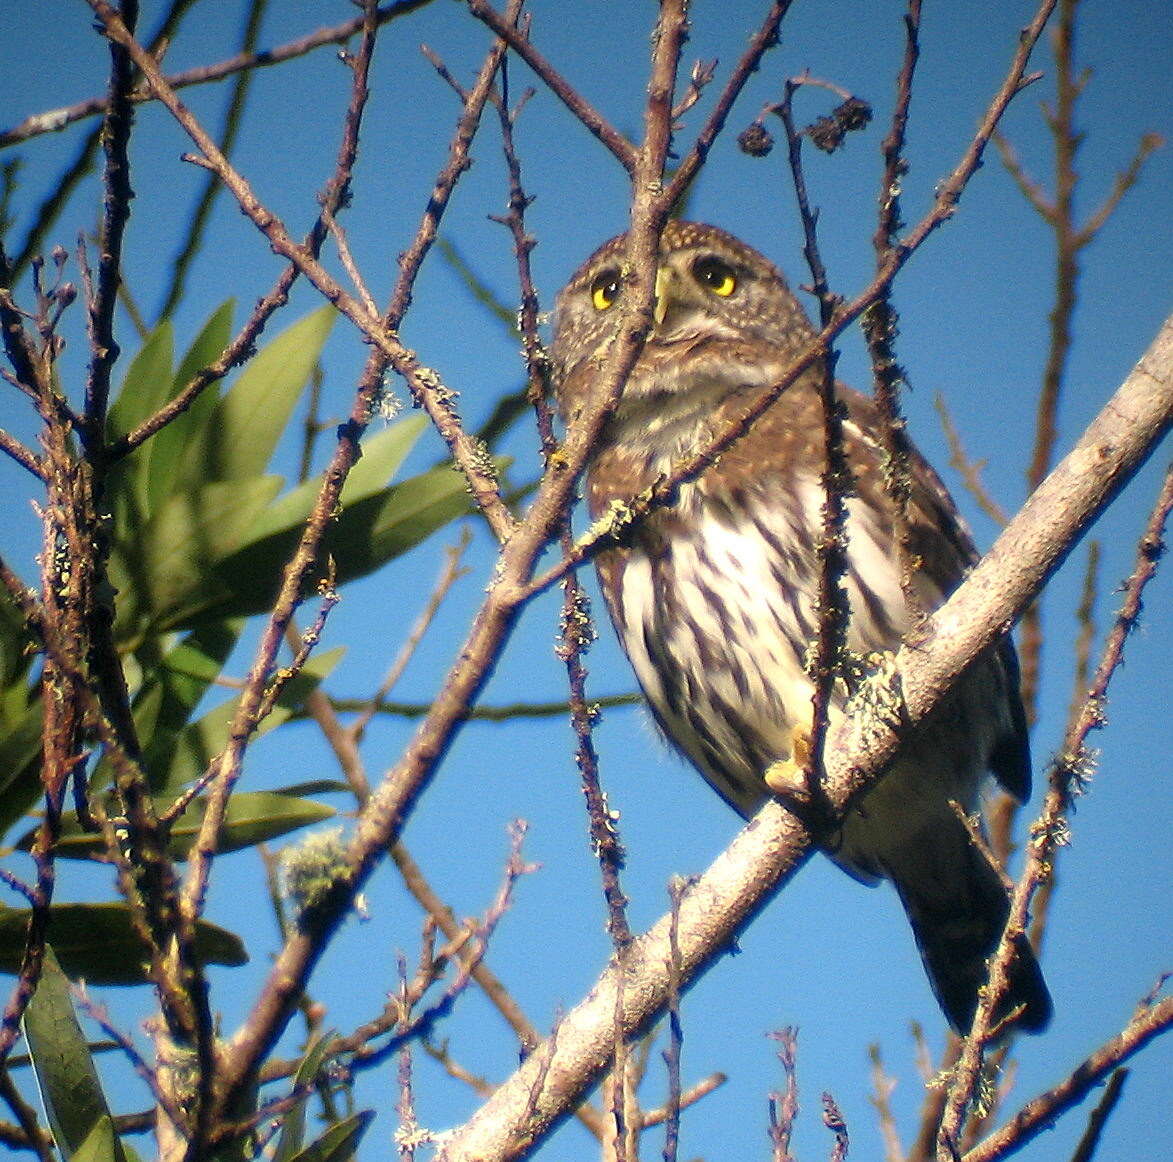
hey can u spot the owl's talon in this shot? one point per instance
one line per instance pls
(788, 776)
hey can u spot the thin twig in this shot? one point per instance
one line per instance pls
(834, 1121)
(54, 120)
(1098, 1118)
(407, 1135)
(882, 1087)
(1067, 775)
(517, 39)
(608, 532)
(688, 1097)
(1039, 1114)
(199, 217)
(1058, 211)
(672, 1052)
(763, 39)
(969, 470)
(116, 201)
(450, 573)
(1085, 638)
(145, 1073)
(25, 457)
(50, 209)
(881, 323)
(835, 481)
(783, 1106)
(766, 853)
(468, 950)
(501, 712)
(380, 821)
(35, 1138)
(425, 386)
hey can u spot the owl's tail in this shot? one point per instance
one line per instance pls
(958, 907)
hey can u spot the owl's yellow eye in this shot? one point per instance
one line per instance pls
(605, 289)
(716, 276)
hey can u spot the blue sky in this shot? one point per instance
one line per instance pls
(829, 956)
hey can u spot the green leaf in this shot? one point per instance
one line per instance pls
(199, 742)
(388, 525)
(176, 684)
(192, 665)
(147, 384)
(16, 643)
(248, 420)
(102, 1144)
(339, 1141)
(98, 942)
(252, 817)
(293, 1127)
(164, 571)
(66, 1077)
(381, 456)
(145, 389)
(20, 744)
(317, 787)
(165, 449)
(365, 537)
(148, 704)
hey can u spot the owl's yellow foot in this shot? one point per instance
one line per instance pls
(788, 776)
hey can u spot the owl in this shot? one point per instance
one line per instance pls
(713, 597)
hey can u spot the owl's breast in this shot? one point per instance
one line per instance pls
(717, 636)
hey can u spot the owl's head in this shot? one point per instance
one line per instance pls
(721, 309)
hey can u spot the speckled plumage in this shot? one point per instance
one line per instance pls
(713, 597)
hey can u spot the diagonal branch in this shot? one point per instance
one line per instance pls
(1038, 1115)
(760, 43)
(382, 818)
(719, 905)
(608, 532)
(1068, 771)
(518, 40)
(424, 384)
(54, 120)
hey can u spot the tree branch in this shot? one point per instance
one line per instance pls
(1040, 1114)
(721, 903)
(54, 120)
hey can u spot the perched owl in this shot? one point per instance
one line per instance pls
(713, 597)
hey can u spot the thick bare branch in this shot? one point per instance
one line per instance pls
(719, 905)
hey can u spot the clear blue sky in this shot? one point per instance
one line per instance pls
(829, 956)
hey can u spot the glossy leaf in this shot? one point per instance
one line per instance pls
(164, 570)
(165, 449)
(365, 537)
(103, 1145)
(238, 441)
(293, 1126)
(339, 1141)
(174, 687)
(20, 742)
(388, 525)
(98, 942)
(381, 457)
(199, 742)
(146, 386)
(252, 817)
(15, 642)
(318, 787)
(66, 1077)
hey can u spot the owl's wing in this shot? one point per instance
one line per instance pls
(941, 542)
